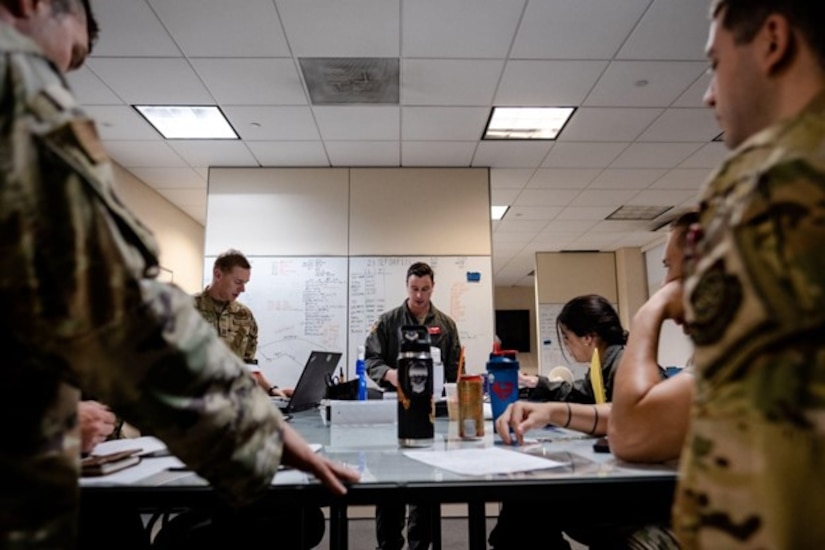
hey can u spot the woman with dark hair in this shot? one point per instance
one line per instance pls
(585, 325)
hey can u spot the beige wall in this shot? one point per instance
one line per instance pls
(179, 237)
(521, 297)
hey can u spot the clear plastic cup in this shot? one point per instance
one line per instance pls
(451, 389)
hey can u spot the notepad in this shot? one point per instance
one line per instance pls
(101, 465)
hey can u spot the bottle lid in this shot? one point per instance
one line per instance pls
(361, 353)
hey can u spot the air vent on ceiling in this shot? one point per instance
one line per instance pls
(347, 80)
(638, 213)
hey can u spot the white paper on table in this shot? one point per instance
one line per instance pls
(486, 461)
(149, 446)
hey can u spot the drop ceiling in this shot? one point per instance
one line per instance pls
(634, 70)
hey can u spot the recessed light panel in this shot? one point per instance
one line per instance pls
(527, 122)
(187, 122)
(497, 212)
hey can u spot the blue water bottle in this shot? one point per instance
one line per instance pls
(361, 373)
(502, 373)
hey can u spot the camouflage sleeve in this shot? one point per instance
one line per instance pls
(252, 346)
(83, 303)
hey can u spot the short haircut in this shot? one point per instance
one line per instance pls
(744, 18)
(73, 6)
(420, 269)
(231, 259)
(682, 223)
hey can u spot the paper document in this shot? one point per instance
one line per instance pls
(486, 461)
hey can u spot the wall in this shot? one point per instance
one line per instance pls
(521, 297)
(179, 237)
(675, 346)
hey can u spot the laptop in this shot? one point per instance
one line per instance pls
(312, 384)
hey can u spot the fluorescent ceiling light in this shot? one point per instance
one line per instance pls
(527, 122)
(497, 212)
(188, 122)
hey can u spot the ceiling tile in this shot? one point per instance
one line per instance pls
(604, 197)
(693, 96)
(503, 197)
(511, 154)
(252, 81)
(683, 125)
(358, 123)
(157, 81)
(194, 24)
(709, 155)
(359, 153)
(544, 213)
(261, 123)
(330, 28)
(600, 124)
(465, 82)
(553, 30)
(130, 28)
(654, 155)
(663, 197)
(90, 90)
(131, 154)
(547, 83)
(510, 177)
(635, 239)
(619, 226)
(197, 213)
(212, 152)
(586, 212)
(547, 197)
(289, 153)
(563, 178)
(643, 83)
(682, 178)
(441, 153)
(443, 123)
(670, 29)
(459, 28)
(532, 226)
(567, 226)
(619, 178)
(583, 155)
(121, 123)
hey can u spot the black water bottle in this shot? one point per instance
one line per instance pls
(416, 410)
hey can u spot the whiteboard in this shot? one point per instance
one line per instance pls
(551, 347)
(378, 284)
(329, 303)
(300, 305)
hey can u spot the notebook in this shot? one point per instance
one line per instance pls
(312, 385)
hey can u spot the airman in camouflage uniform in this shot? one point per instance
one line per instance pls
(752, 468)
(83, 309)
(234, 322)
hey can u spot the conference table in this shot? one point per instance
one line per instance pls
(577, 478)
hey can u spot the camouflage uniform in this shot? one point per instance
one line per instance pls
(84, 311)
(234, 322)
(753, 463)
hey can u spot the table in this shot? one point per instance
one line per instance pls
(390, 476)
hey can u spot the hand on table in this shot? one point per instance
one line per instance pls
(299, 455)
(96, 424)
(522, 416)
